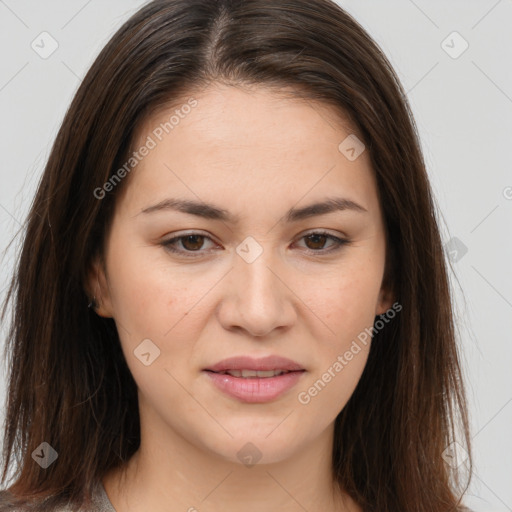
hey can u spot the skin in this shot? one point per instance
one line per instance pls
(256, 154)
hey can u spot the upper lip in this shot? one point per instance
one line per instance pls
(250, 363)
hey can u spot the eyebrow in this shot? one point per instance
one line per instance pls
(212, 212)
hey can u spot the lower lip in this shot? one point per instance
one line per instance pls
(255, 389)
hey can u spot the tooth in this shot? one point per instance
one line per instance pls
(255, 373)
(269, 373)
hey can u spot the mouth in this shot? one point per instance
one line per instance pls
(255, 380)
(250, 374)
(246, 364)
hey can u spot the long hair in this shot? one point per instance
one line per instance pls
(69, 384)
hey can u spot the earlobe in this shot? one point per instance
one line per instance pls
(386, 296)
(384, 303)
(97, 289)
(387, 289)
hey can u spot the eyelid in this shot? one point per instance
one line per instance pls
(322, 231)
(167, 244)
(340, 241)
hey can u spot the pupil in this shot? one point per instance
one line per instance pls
(191, 238)
(315, 239)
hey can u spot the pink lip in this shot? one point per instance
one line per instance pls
(255, 389)
(250, 363)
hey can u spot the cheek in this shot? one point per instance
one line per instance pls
(151, 308)
(147, 294)
(348, 306)
(350, 297)
(154, 300)
(330, 389)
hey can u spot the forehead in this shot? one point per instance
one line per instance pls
(234, 117)
(254, 139)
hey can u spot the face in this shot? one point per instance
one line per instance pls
(257, 273)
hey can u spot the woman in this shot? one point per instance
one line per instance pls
(232, 290)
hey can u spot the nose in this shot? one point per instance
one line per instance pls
(256, 298)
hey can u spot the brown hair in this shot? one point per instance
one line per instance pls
(69, 384)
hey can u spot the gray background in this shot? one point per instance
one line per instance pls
(463, 109)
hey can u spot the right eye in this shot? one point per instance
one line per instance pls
(190, 243)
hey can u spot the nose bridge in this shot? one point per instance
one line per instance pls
(257, 282)
(260, 301)
(256, 277)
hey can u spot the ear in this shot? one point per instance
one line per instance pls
(97, 287)
(385, 300)
(387, 289)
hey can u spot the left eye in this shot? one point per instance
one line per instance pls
(192, 243)
(320, 238)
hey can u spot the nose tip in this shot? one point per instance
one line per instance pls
(259, 331)
(256, 300)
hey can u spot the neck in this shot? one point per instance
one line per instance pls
(169, 473)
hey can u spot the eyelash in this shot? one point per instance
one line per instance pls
(168, 244)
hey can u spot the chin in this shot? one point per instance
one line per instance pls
(252, 448)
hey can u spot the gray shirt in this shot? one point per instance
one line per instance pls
(100, 500)
(100, 503)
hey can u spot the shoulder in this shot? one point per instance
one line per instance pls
(8, 504)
